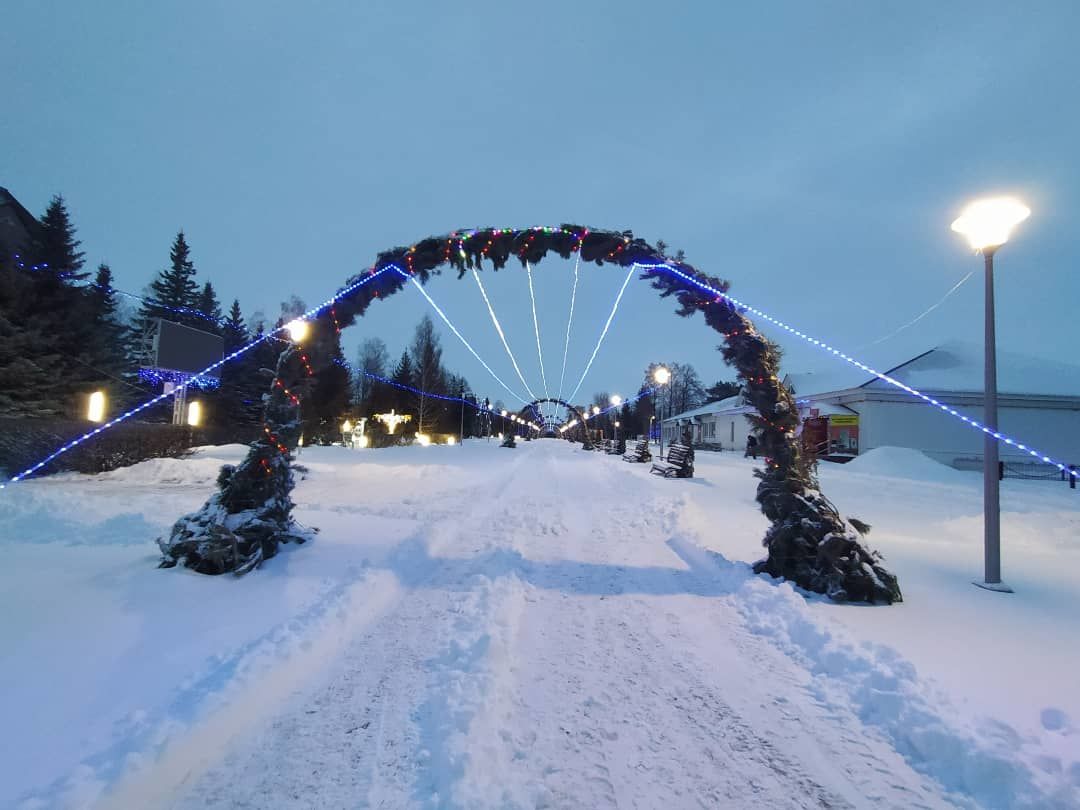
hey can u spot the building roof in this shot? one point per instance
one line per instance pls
(733, 404)
(17, 225)
(955, 366)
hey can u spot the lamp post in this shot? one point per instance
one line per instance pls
(615, 401)
(661, 376)
(987, 224)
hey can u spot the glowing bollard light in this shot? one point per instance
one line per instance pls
(450, 440)
(423, 439)
(194, 414)
(95, 408)
(987, 225)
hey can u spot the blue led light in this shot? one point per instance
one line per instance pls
(1001, 437)
(187, 384)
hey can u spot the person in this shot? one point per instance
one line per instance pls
(751, 447)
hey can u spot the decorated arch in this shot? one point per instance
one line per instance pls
(581, 421)
(808, 542)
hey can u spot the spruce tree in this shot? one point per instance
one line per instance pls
(403, 375)
(428, 373)
(174, 289)
(59, 249)
(239, 396)
(209, 317)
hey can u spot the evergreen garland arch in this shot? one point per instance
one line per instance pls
(807, 542)
(579, 428)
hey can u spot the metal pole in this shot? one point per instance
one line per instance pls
(462, 434)
(991, 482)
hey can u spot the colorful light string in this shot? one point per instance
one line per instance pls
(974, 423)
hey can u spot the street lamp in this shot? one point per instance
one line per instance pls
(987, 225)
(661, 376)
(298, 330)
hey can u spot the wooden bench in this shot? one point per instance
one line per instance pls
(639, 454)
(679, 463)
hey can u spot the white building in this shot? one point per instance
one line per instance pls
(846, 411)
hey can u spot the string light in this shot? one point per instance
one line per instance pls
(570, 320)
(188, 383)
(536, 327)
(453, 329)
(973, 423)
(603, 333)
(499, 329)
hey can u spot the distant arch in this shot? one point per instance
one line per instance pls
(581, 428)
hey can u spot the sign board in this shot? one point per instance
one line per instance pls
(184, 349)
(844, 421)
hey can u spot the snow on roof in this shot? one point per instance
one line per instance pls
(952, 366)
(731, 403)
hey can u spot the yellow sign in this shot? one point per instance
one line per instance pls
(844, 421)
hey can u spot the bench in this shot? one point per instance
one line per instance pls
(639, 454)
(679, 463)
(615, 447)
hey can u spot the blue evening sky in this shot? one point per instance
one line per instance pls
(812, 153)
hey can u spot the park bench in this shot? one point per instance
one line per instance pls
(679, 463)
(639, 453)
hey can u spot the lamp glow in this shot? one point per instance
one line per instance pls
(987, 223)
(360, 441)
(595, 409)
(450, 440)
(298, 330)
(615, 400)
(194, 413)
(661, 375)
(346, 426)
(95, 409)
(423, 439)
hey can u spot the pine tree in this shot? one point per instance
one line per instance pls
(174, 289)
(108, 332)
(370, 395)
(428, 373)
(207, 304)
(403, 375)
(240, 395)
(59, 249)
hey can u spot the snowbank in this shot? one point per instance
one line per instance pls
(903, 462)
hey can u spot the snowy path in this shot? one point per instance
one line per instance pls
(485, 628)
(543, 653)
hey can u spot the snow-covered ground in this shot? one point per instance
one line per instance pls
(541, 627)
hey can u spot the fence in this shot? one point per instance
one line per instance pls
(1025, 470)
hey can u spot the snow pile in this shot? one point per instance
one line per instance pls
(903, 462)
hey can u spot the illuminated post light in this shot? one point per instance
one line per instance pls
(616, 400)
(423, 439)
(450, 440)
(361, 441)
(987, 225)
(346, 426)
(194, 413)
(661, 376)
(298, 330)
(596, 410)
(95, 409)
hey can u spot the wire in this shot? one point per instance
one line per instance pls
(603, 334)
(536, 327)
(919, 317)
(498, 328)
(453, 329)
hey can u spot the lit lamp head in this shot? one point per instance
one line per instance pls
(615, 400)
(988, 223)
(661, 375)
(298, 330)
(346, 426)
(595, 409)
(95, 407)
(503, 413)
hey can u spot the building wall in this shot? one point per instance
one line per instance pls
(724, 430)
(1055, 431)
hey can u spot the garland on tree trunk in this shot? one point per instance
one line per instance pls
(808, 542)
